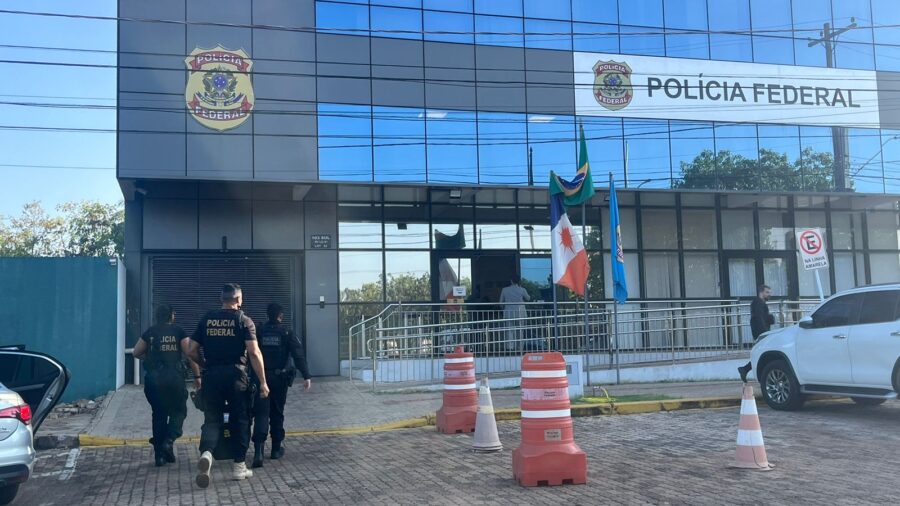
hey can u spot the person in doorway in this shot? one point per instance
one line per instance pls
(513, 299)
(160, 347)
(228, 338)
(283, 355)
(760, 322)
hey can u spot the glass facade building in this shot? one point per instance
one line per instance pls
(395, 148)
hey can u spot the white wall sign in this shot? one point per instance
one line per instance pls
(812, 249)
(459, 291)
(702, 90)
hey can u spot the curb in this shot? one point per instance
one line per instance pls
(505, 414)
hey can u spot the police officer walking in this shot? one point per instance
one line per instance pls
(160, 348)
(278, 344)
(228, 338)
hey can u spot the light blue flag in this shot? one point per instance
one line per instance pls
(617, 256)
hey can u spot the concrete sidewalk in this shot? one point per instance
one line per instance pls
(337, 404)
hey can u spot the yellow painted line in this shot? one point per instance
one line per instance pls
(505, 414)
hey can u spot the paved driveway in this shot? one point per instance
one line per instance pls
(830, 453)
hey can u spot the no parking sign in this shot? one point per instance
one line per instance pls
(812, 249)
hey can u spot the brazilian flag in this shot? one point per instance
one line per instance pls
(580, 189)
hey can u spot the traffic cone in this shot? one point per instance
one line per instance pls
(751, 451)
(486, 437)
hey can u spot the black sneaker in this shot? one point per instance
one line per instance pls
(258, 455)
(169, 452)
(277, 450)
(744, 370)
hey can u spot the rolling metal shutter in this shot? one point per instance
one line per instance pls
(192, 285)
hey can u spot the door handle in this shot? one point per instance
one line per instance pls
(839, 336)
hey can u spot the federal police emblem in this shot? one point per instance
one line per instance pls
(612, 84)
(219, 92)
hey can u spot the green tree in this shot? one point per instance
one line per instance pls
(80, 229)
(773, 171)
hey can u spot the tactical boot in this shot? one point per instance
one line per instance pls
(204, 465)
(258, 454)
(158, 457)
(277, 450)
(240, 472)
(169, 452)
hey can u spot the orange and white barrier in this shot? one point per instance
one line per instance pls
(460, 396)
(751, 450)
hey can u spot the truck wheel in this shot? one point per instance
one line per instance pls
(8, 493)
(780, 388)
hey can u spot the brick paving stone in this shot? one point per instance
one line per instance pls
(832, 452)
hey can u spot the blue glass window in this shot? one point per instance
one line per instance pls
(771, 15)
(888, 15)
(639, 40)
(342, 18)
(737, 150)
(595, 11)
(687, 44)
(809, 17)
(865, 169)
(452, 147)
(449, 5)
(641, 12)
(461, 24)
(731, 47)
(415, 4)
(548, 34)
(554, 9)
(502, 151)
(396, 23)
(399, 145)
(686, 14)
(498, 31)
(773, 50)
(693, 164)
(816, 158)
(606, 150)
(599, 38)
(499, 7)
(345, 142)
(779, 158)
(811, 56)
(729, 15)
(861, 10)
(552, 139)
(890, 141)
(648, 153)
(887, 57)
(850, 55)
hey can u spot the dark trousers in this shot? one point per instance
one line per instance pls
(268, 413)
(167, 395)
(220, 385)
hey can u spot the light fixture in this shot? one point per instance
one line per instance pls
(401, 226)
(455, 194)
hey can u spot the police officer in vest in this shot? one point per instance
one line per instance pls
(160, 348)
(228, 339)
(283, 355)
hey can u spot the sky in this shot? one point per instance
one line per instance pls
(36, 165)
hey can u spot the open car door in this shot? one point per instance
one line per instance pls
(40, 379)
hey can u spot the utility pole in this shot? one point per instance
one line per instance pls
(838, 134)
(530, 167)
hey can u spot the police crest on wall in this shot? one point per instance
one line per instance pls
(219, 93)
(612, 84)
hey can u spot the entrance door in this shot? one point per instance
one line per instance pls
(746, 270)
(483, 274)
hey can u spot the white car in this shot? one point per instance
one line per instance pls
(30, 385)
(848, 346)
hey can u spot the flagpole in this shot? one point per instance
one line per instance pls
(616, 338)
(587, 355)
(555, 308)
(612, 259)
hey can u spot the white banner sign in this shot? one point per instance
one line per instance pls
(702, 90)
(812, 249)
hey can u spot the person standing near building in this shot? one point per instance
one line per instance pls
(228, 338)
(161, 349)
(513, 299)
(283, 355)
(760, 322)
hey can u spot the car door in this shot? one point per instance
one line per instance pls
(823, 350)
(40, 380)
(875, 339)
